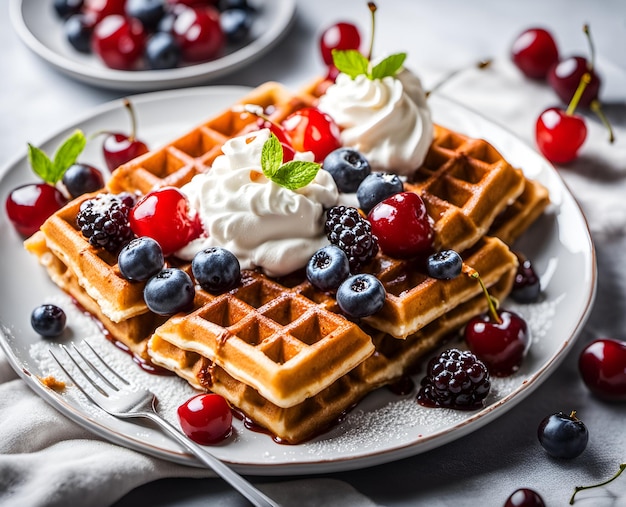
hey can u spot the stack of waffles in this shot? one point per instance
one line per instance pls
(279, 350)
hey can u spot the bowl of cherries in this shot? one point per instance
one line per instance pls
(150, 44)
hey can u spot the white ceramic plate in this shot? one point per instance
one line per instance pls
(384, 426)
(42, 31)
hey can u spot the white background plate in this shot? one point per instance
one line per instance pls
(42, 31)
(382, 428)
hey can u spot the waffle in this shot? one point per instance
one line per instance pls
(391, 362)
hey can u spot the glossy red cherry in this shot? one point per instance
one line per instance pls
(309, 129)
(206, 418)
(524, 497)
(560, 135)
(501, 344)
(164, 216)
(402, 225)
(534, 52)
(288, 152)
(565, 76)
(119, 148)
(28, 206)
(119, 42)
(99, 9)
(602, 365)
(198, 33)
(342, 36)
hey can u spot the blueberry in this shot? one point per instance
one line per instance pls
(48, 320)
(149, 12)
(563, 436)
(527, 286)
(162, 52)
(224, 5)
(444, 265)
(169, 291)
(376, 187)
(78, 30)
(347, 167)
(82, 179)
(328, 267)
(216, 269)
(361, 295)
(236, 24)
(66, 8)
(140, 259)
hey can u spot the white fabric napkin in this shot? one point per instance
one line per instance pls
(47, 460)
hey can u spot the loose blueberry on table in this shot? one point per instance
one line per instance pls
(206, 418)
(498, 337)
(602, 365)
(563, 435)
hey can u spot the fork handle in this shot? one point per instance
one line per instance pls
(255, 496)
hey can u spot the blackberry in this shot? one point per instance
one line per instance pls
(347, 229)
(455, 379)
(103, 220)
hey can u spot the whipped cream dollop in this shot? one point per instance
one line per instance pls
(262, 223)
(388, 120)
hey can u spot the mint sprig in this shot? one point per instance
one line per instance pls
(291, 175)
(353, 63)
(51, 170)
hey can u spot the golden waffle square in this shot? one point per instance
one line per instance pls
(180, 160)
(275, 340)
(391, 361)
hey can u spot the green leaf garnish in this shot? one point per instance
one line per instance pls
(388, 67)
(52, 170)
(292, 175)
(350, 62)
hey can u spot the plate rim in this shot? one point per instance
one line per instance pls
(147, 80)
(434, 440)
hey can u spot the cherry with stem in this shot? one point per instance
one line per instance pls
(622, 467)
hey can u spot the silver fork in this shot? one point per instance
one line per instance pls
(120, 399)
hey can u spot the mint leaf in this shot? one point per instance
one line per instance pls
(67, 154)
(51, 171)
(295, 174)
(389, 66)
(271, 156)
(350, 62)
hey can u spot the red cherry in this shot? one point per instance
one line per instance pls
(602, 365)
(311, 130)
(535, 52)
(525, 497)
(565, 76)
(119, 41)
(99, 9)
(560, 135)
(164, 216)
(338, 36)
(198, 33)
(119, 148)
(402, 225)
(206, 418)
(501, 344)
(28, 206)
(288, 152)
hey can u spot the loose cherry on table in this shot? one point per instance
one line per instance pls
(535, 52)
(499, 337)
(524, 497)
(309, 129)
(402, 225)
(206, 418)
(28, 206)
(164, 216)
(119, 41)
(602, 365)
(118, 148)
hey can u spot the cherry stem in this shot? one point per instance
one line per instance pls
(492, 303)
(592, 50)
(480, 65)
(372, 7)
(596, 107)
(133, 121)
(622, 467)
(584, 81)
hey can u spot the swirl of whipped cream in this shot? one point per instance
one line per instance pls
(387, 120)
(262, 223)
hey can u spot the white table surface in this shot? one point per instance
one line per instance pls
(439, 36)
